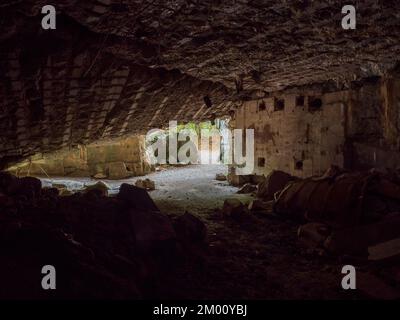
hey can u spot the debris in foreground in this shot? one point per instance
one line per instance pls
(104, 247)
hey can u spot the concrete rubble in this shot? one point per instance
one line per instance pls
(235, 209)
(273, 183)
(341, 213)
(38, 227)
(247, 188)
(355, 210)
(220, 177)
(146, 184)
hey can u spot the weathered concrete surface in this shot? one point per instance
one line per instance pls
(357, 128)
(295, 140)
(116, 159)
(113, 68)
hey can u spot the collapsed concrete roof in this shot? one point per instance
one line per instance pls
(114, 67)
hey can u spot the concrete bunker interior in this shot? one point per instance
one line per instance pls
(78, 187)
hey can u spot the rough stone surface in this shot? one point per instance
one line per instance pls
(355, 129)
(113, 68)
(247, 188)
(104, 247)
(116, 159)
(136, 197)
(274, 182)
(190, 228)
(145, 184)
(100, 187)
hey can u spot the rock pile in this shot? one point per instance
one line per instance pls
(102, 247)
(341, 212)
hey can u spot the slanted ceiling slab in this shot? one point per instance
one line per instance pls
(115, 67)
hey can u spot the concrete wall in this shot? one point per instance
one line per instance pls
(374, 125)
(116, 159)
(356, 129)
(296, 139)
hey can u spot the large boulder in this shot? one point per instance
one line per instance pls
(234, 208)
(238, 180)
(136, 198)
(8, 182)
(25, 250)
(153, 231)
(100, 188)
(247, 188)
(274, 182)
(190, 228)
(29, 187)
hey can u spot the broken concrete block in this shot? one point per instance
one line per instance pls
(274, 182)
(145, 184)
(189, 227)
(99, 186)
(238, 180)
(65, 193)
(247, 188)
(52, 193)
(257, 205)
(136, 197)
(8, 182)
(29, 187)
(117, 170)
(100, 176)
(220, 177)
(59, 186)
(233, 208)
(337, 202)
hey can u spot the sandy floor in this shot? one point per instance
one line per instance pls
(259, 258)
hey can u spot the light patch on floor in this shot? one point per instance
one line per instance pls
(178, 189)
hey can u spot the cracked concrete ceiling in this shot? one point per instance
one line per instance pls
(114, 67)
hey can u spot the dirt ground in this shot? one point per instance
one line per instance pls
(259, 258)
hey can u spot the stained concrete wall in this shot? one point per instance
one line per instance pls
(295, 139)
(116, 159)
(127, 158)
(374, 125)
(357, 129)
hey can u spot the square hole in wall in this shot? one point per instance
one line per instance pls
(314, 104)
(300, 101)
(279, 104)
(262, 106)
(261, 162)
(298, 164)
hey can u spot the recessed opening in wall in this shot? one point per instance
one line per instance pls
(298, 165)
(314, 104)
(300, 101)
(262, 106)
(261, 162)
(279, 104)
(207, 101)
